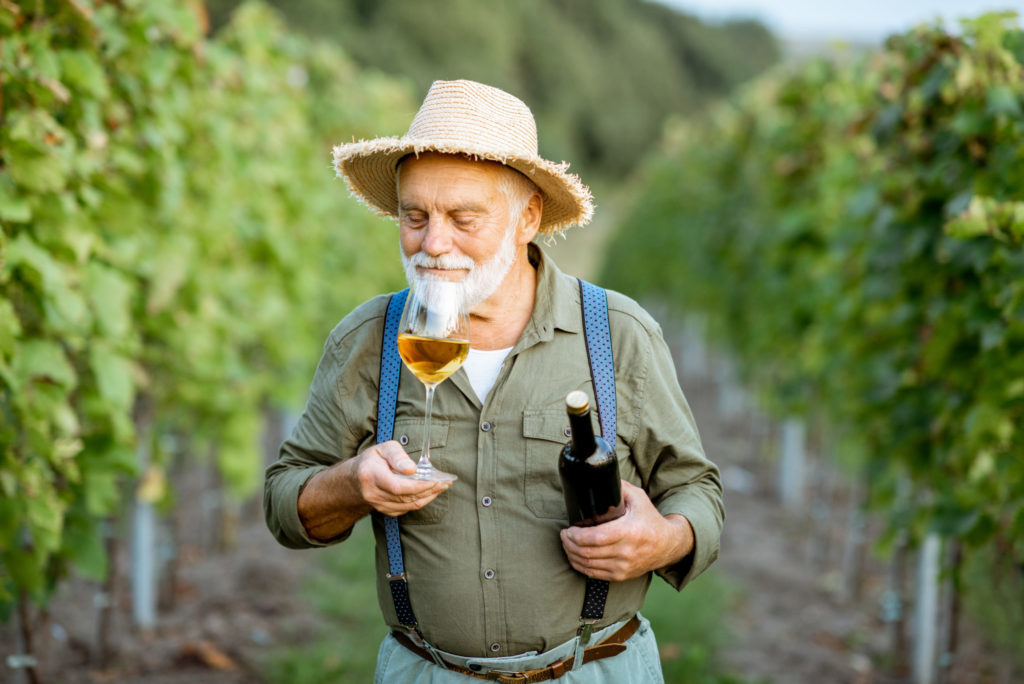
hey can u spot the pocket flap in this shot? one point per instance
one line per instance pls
(549, 424)
(409, 433)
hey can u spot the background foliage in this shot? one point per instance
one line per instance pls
(600, 75)
(173, 251)
(853, 234)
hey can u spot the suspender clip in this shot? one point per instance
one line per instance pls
(585, 630)
(400, 577)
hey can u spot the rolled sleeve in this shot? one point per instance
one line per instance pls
(339, 417)
(706, 522)
(281, 498)
(666, 446)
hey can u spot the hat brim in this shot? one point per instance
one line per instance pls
(369, 168)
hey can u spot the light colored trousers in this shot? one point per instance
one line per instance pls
(638, 664)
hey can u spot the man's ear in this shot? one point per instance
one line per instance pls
(529, 221)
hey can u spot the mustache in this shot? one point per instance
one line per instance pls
(444, 261)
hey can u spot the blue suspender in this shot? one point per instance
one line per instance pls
(602, 371)
(387, 399)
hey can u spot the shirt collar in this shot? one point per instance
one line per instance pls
(557, 303)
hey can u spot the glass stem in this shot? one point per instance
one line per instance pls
(424, 462)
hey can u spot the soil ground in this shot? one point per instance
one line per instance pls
(225, 609)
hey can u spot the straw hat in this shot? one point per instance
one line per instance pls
(465, 117)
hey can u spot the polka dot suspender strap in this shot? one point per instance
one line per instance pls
(387, 399)
(602, 372)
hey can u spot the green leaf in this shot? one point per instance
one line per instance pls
(10, 327)
(83, 71)
(22, 252)
(25, 569)
(113, 375)
(12, 207)
(40, 359)
(84, 544)
(35, 171)
(44, 514)
(109, 294)
(101, 492)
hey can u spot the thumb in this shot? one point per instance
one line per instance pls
(396, 458)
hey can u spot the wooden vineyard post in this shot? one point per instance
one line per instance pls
(823, 493)
(144, 551)
(854, 542)
(103, 599)
(926, 610)
(24, 662)
(730, 394)
(695, 357)
(792, 463)
(894, 605)
(950, 616)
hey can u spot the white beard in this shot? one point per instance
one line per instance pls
(482, 279)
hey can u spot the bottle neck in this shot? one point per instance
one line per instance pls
(583, 440)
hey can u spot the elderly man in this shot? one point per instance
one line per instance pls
(494, 580)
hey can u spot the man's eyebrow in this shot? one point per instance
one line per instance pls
(470, 207)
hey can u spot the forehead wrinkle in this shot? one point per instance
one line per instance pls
(468, 206)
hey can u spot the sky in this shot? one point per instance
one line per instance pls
(861, 20)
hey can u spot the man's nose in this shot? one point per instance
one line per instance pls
(438, 237)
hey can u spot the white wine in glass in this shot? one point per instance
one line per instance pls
(433, 341)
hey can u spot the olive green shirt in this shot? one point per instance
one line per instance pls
(486, 569)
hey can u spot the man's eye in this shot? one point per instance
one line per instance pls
(464, 221)
(414, 219)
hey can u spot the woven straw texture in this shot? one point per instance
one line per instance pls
(473, 119)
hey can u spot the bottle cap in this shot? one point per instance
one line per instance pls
(577, 402)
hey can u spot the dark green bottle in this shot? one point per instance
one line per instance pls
(589, 469)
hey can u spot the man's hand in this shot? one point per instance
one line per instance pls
(383, 490)
(640, 541)
(335, 498)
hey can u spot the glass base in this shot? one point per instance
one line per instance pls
(431, 474)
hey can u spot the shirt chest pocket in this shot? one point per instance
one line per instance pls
(545, 433)
(409, 433)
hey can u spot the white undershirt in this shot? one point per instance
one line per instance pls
(482, 366)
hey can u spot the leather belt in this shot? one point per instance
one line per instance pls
(611, 646)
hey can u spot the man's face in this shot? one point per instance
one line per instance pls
(455, 223)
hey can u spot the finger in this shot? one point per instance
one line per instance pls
(593, 553)
(396, 458)
(407, 491)
(598, 535)
(601, 570)
(399, 505)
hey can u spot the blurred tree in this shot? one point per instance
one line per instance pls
(600, 75)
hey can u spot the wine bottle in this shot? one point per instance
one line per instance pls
(589, 469)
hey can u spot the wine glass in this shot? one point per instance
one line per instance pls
(433, 341)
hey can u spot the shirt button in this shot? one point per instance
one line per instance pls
(495, 647)
(488, 573)
(567, 432)
(486, 501)
(403, 440)
(485, 426)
